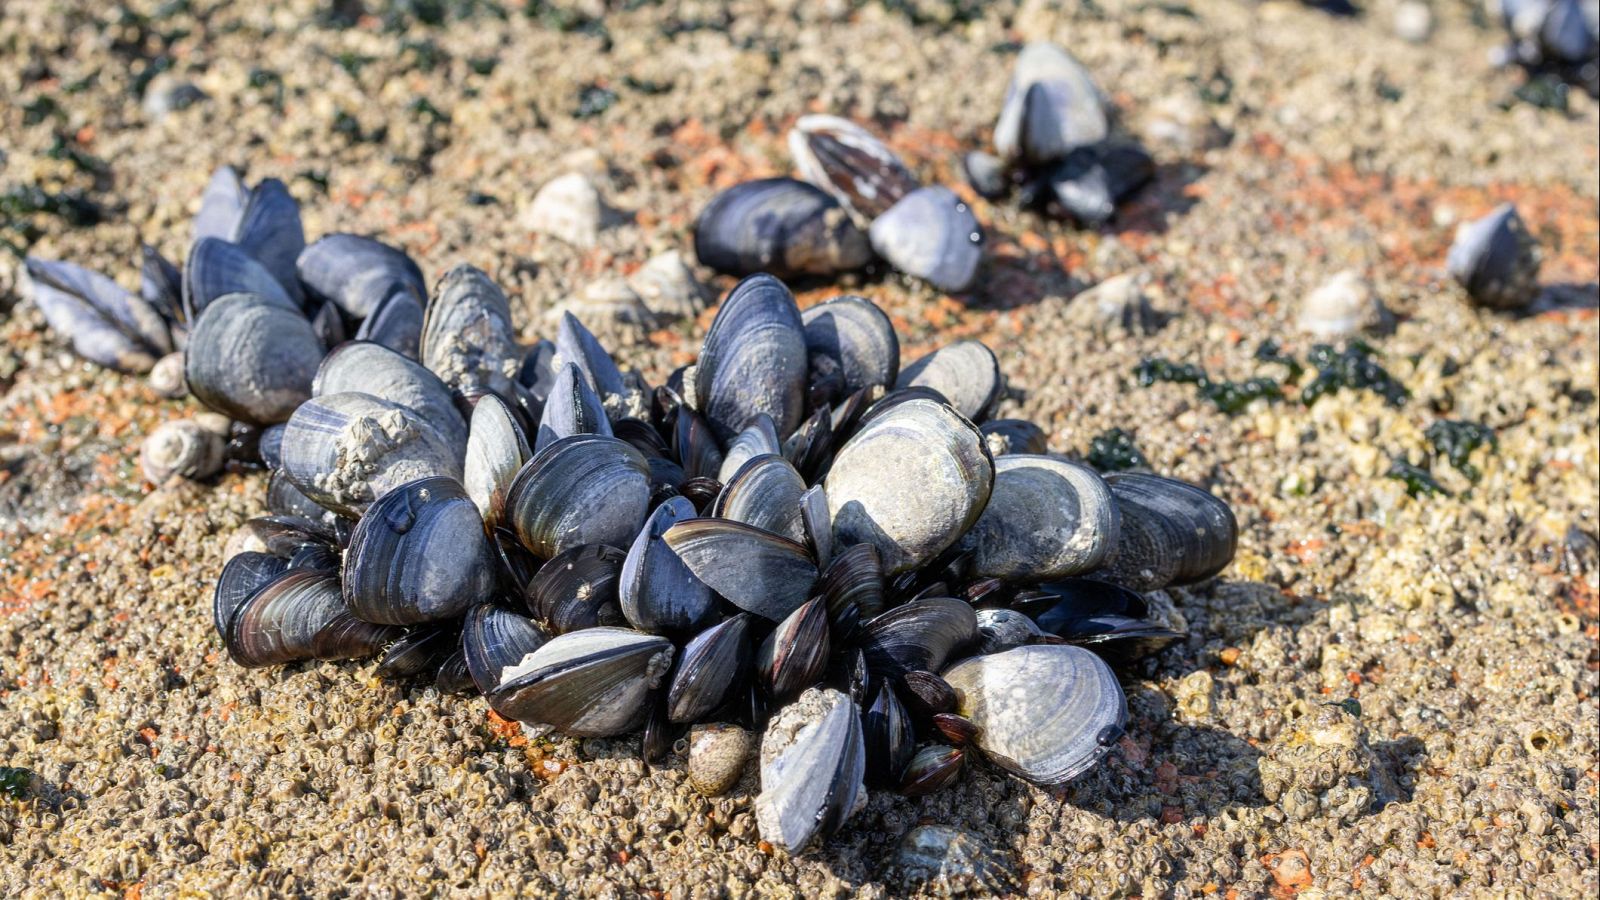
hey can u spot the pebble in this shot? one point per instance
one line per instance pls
(668, 287)
(1413, 21)
(567, 208)
(168, 93)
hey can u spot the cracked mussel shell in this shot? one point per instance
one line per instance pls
(813, 760)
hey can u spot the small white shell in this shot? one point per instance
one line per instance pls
(668, 287)
(1342, 306)
(182, 448)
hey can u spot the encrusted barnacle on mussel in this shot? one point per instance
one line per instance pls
(781, 226)
(346, 450)
(918, 442)
(813, 761)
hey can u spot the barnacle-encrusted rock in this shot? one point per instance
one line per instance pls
(1320, 764)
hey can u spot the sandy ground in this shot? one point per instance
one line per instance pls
(1294, 145)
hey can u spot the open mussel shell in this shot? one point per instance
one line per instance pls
(241, 577)
(492, 638)
(1046, 518)
(753, 360)
(849, 163)
(496, 451)
(1002, 629)
(713, 666)
(217, 268)
(584, 489)
(765, 493)
(347, 637)
(851, 336)
(357, 273)
(795, 655)
(269, 229)
(922, 443)
(658, 593)
(813, 760)
(373, 369)
(346, 450)
(107, 324)
(918, 636)
(572, 408)
(590, 683)
(280, 621)
(419, 554)
(1172, 532)
(1496, 259)
(251, 358)
(755, 570)
(931, 234)
(1045, 712)
(1013, 436)
(421, 651)
(781, 226)
(1051, 106)
(758, 438)
(890, 738)
(468, 339)
(578, 589)
(396, 323)
(965, 373)
(1108, 618)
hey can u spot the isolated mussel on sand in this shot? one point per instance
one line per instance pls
(794, 537)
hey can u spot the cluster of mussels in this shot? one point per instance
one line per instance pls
(856, 202)
(1053, 143)
(1561, 37)
(793, 537)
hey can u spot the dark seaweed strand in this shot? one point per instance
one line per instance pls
(1353, 367)
(1455, 441)
(1114, 451)
(1228, 396)
(1418, 481)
